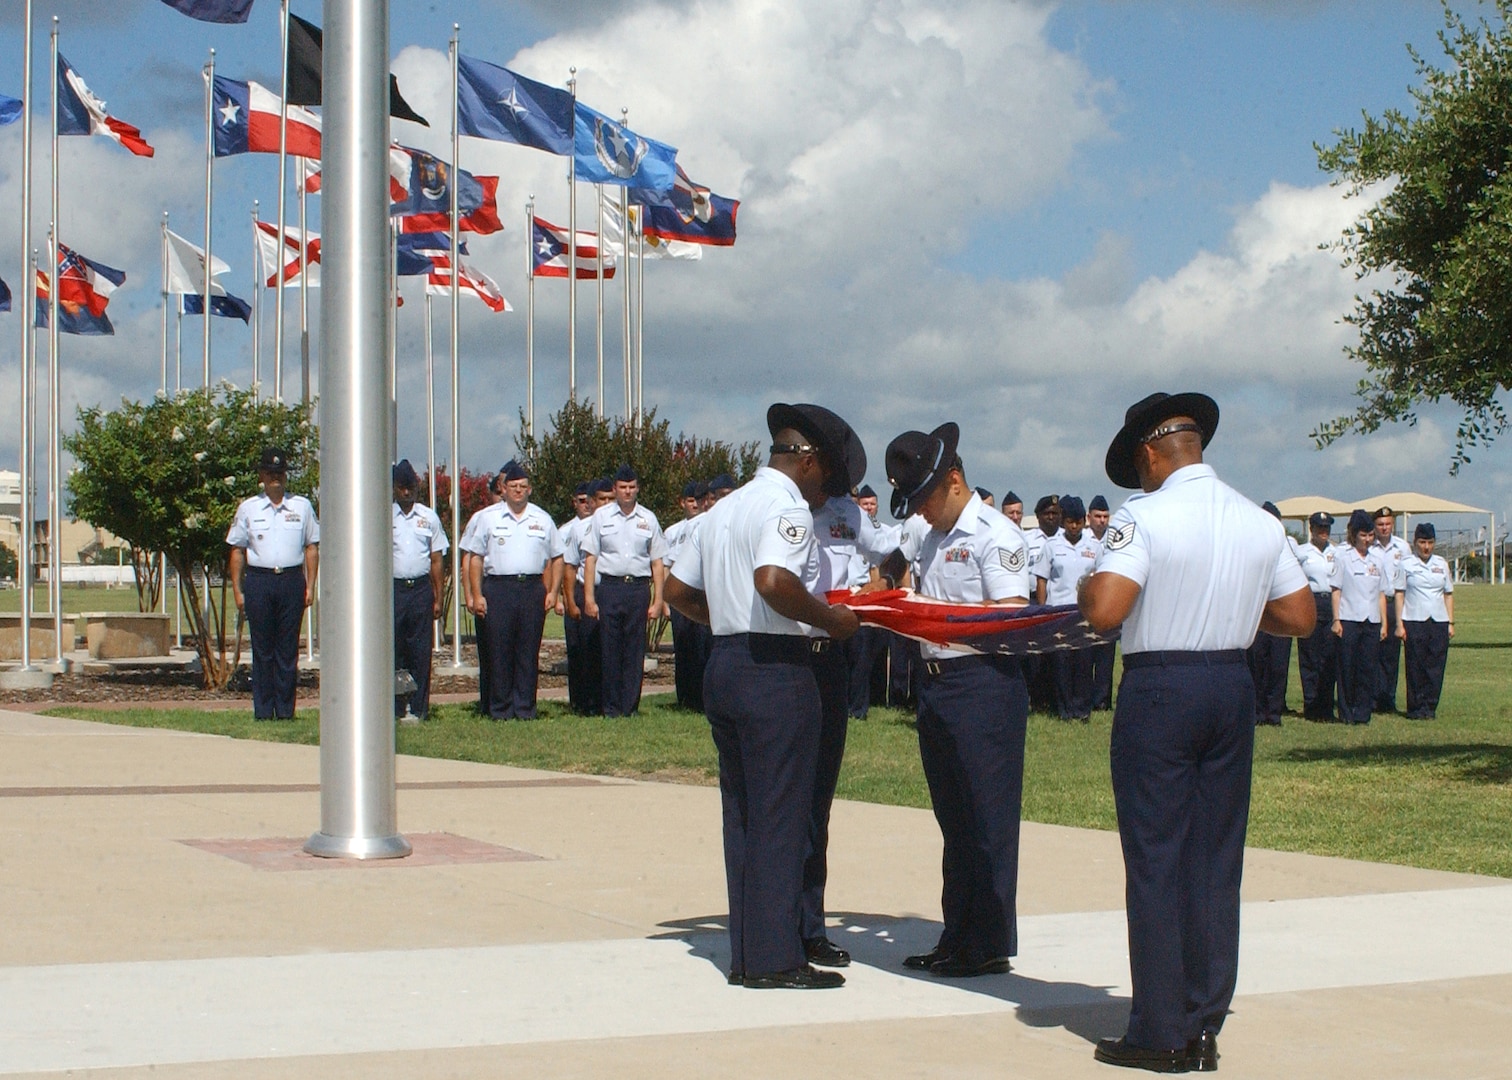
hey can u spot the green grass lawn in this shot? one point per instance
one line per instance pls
(1425, 794)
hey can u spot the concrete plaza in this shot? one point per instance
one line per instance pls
(159, 919)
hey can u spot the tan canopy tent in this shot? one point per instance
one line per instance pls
(1404, 503)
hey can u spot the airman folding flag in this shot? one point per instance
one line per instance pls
(216, 11)
(495, 103)
(607, 152)
(84, 288)
(81, 113)
(548, 252)
(246, 121)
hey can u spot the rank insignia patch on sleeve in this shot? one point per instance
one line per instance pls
(1118, 539)
(1013, 561)
(791, 531)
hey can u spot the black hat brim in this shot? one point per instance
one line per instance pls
(841, 446)
(949, 435)
(1119, 462)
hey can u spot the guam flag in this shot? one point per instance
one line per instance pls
(991, 629)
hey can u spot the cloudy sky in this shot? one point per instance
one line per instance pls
(1020, 216)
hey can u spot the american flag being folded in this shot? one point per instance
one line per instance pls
(981, 628)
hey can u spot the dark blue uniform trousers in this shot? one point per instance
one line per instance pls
(1390, 663)
(516, 617)
(1270, 664)
(1359, 668)
(480, 640)
(832, 675)
(865, 649)
(1427, 651)
(274, 605)
(1072, 670)
(584, 660)
(902, 669)
(764, 713)
(413, 637)
(622, 634)
(690, 650)
(971, 719)
(1318, 662)
(1102, 674)
(1183, 741)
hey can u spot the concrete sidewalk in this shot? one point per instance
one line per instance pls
(159, 918)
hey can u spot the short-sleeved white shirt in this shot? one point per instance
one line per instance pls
(1423, 586)
(510, 543)
(843, 532)
(1361, 582)
(677, 536)
(417, 535)
(911, 534)
(1063, 564)
(275, 536)
(1206, 559)
(1035, 539)
(1317, 565)
(624, 544)
(761, 523)
(1391, 556)
(983, 557)
(571, 533)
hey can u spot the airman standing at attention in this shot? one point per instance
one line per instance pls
(1318, 653)
(1390, 550)
(419, 546)
(1065, 559)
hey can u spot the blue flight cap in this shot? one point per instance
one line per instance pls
(1010, 498)
(1098, 503)
(626, 475)
(602, 484)
(1424, 531)
(513, 470)
(691, 489)
(405, 475)
(723, 482)
(983, 494)
(1072, 508)
(581, 489)
(1361, 521)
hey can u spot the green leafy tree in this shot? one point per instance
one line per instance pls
(167, 475)
(1438, 244)
(581, 445)
(10, 563)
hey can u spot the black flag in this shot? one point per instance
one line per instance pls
(304, 72)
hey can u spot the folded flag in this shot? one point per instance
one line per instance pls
(688, 212)
(271, 253)
(5, 297)
(222, 304)
(305, 49)
(216, 11)
(10, 109)
(548, 252)
(607, 152)
(81, 113)
(989, 629)
(84, 288)
(426, 202)
(495, 103)
(246, 121)
(469, 280)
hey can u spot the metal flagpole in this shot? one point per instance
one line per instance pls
(640, 321)
(599, 281)
(164, 365)
(304, 289)
(54, 400)
(393, 357)
(178, 348)
(358, 815)
(209, 193)
(572, 250)
(456, 406)
(257, 280)
(430, 430)
(283, 185)
(530, 317)
(26, 570)
(625, 276)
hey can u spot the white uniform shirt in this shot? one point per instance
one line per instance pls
(911, 536)
(571, 533)
(983, 557)
(275, 536)
(1360, 581)
(1423, 585)
(677, 536)
(1318, 566)
(1062, 564)
(1391, 556)
(1206, 559)
(511, 544)
(624, 544)
(843, 532)
(761, 523)
(417, 535)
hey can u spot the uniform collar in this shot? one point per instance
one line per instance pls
(614, 508)
(413, 510)
(970, 514)
(523, 514)
(1186, 473)
(782, 480)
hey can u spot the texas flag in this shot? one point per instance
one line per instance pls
(269, 254)
(469, 280)
(81, 113)
(548, 252)
(246, 121)
(84, 288)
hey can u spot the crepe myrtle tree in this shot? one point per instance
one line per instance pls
(166, 476)
(1437, 246)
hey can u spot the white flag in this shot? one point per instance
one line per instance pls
(186, 268)
(656, 247)
(288, 258)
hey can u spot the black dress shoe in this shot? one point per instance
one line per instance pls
(1119, 1052)
(735, 978)
(1202, 1053)
(922, 961)
(825, 953)
(804, 978)
(966, 966)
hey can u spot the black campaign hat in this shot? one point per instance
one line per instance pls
(831, 434)
(1142, 417)
(405, 475)
(1272, 509)
(916, 463)
(273, 460)
(1424, 531)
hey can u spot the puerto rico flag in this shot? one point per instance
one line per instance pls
(84, 288)
(548, 252)
(469, 280)
(246, 121)
(989, 629)
(81, 113)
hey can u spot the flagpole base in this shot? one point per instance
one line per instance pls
(326, 846)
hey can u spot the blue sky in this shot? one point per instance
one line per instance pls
(1020, 216)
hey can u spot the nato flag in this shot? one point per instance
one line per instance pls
(10, 109)
(216, 11)
(607, 152)
(495, 103)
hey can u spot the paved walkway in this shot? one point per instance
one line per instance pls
(159, 918)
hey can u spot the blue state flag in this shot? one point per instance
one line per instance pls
(226, 306)
(216, 11)
(10, 109)
(607, 152)
(495, 103)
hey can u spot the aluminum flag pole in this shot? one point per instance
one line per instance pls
(304, 292)
(572, 251)
(430, 432)
(456, 367)
(54, 401)
(257, 280)
(358, 815)
(640, 322)
(393, 355)
(283, 186)
(529, 317)
(178, 348)
(209, 197)
(28, 298)
(599, 281)
(163, 366)
(625, 292)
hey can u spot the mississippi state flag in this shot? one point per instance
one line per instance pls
(81, 113)
(246, 121)
(84, 288)
(548, 252)
(989, 629)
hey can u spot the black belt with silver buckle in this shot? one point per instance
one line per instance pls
(411, 582)
(511, 577)
(623, 579)
(820, 645)
(1212, 658)
(275, 569)
(935, 667)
